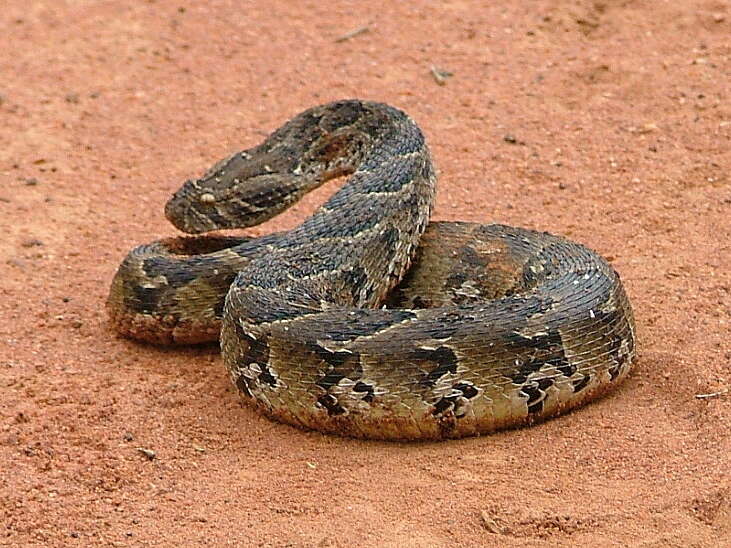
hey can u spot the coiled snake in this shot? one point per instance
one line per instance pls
(367, 320)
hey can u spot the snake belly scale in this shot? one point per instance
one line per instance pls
(367, 320)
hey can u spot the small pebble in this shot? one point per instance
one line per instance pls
(149, 453)
(489, 523)
(31, 242)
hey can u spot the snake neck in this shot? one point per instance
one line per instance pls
(252, 186)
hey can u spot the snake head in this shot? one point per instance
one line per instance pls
(193, 209)
(234, 193)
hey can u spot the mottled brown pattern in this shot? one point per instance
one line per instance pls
(491, 327)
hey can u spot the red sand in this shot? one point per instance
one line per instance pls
(608, 122)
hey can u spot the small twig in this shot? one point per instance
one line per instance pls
(353, 33)
(712, 394)
(440, 75)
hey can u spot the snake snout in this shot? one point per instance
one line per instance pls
(190, 210)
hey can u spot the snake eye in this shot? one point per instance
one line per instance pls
(207, 198)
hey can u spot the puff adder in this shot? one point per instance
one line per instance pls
(366, 320)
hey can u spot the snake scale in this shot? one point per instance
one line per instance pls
(367, 320)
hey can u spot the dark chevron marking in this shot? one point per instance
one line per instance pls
(243, 385)
(366, 389)
(342, 365)
(254, 351)
(331, 404)
(582, 383)
(456, 402)
(257, 351)
(536, 393)
(266, 376)
(442, 360)
(218, 305)
(536, 352)
(618, 356)
(145, 299)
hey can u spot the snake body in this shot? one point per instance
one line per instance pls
(366, 320)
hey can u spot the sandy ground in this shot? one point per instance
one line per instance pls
(606, 121)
